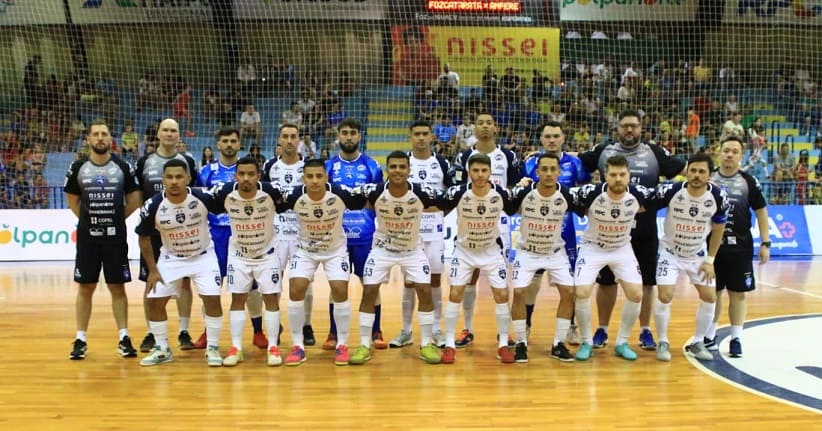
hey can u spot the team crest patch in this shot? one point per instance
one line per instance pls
(615, 212)
(318, 212)
(544, 211)
(481, 209)
(180, 217)
(693, 211)
(275, 277)
(248, 210)
(398, 211)
(288, 178)
(218, 280)
(426, 269)
(502, 273)
(423, 175)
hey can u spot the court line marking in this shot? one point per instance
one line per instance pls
(812, 295)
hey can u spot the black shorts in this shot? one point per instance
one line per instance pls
(92, 255)
(646, 251)
(734, 271)
(156, 243)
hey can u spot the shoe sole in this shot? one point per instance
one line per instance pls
(663, 358)
(309, 342)
(230, 364)
(431, 361)
(274, 364)
(398, 346)
(186, 347)
(462, 346)
(600, 346)
(145, 349)
(521, 361)
(619, 355)
(294, 364)
(735, 356)
(647, 347)
(157, 363)
(77, 358)
(127, 354)
(380, 346)
(358, 362)
(341, 363)
(561, 359)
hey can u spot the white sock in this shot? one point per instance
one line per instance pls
(309, 303)
(122, 333)
(662, 316)
(436, 297)
(704, 317)
(711, 331)
(582, 308)
(736, 332)
(184, 323)
(160, 331)
(520, 330)
(81, 335)
(342, 316)
(296, 320)
(213, 325)
(272, 326)
(630, 312)
(366, 326)
(426, 319)
(503, 315)
(236, 321)
(563, 326)
(469, 299)
(409, 297)
(452, 314)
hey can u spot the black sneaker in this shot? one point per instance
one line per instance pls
(308, 336)
(125, 348)
(735, 348)
(148, 343)
(78, 350)
(710, 343)
(561, 352)
(521, 353)
(185, 341)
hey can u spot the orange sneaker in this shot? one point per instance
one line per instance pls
(341, 355)
(378, 342)
(506, 355)
(201, 342)
(260, 340)
(449, 355)
(330, 342)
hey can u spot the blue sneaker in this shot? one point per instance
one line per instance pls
(736, 348)
(710, 344)
(646, 340)
(600, 338)
(624, 351)
(585, 351)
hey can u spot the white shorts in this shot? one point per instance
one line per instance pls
(526, 265)
(378, 266)
(591, 259)
(490, 260)
(668, 267)
(241, 274)
(435, 250)
(304, 265)
(203, 270)
(285, 251)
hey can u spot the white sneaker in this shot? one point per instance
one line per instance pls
(402, 340)
(233, 357)
(213, 358)
(274, 357)
(157, 356)
(699, 351)
(439, 339)
(573, 338)
(663, 351)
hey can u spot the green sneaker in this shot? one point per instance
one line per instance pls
(430, 354)
(624, 351)
(360, 356)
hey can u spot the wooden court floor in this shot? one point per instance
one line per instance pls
(42, 390)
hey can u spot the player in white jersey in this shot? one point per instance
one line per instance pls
(696, 208)
(399, 206)
(252, 254)
(286, 171)
(430, 170)
(611, 208)
(180, 216)
(479, 206)
(505, 172)
(319, 207)
(543, 206)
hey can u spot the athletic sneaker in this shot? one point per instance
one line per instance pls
(521, 353)
(260, 340)
(148, 343)
(157, 356)
(449, 355)
(330, 342)
(296, 357)
(78, 350)
(710, 343)
(465, 338)
(360, 356)
(213, 358)
(699, 351)
(402, 340)
(561, 353)
(735, 348)
(378, 342)
(584, 352)
(430, 354)
(308, 335)
(624, 351)
(439, 339)
(202, 341)
(185, 341)
(573, 338)
(233, 357)
(646, 340)
(600, 339)
(506, 355)
(274, 358)
(125, 348)
(341, 355)
(663, 351)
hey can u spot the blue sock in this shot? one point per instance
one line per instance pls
(257, 323)
(333, 329)
(377, 312)
(529, 310)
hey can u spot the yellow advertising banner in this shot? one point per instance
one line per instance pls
(420, 52)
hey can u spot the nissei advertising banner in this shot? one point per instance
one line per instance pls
(31, 12)
(137, 11)
(419, 52)
(796, 12)
(627, 10)
(313, 10)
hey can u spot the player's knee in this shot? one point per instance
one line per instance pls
(519, 294)
(500, 295)
(665, 297)
(634, 295)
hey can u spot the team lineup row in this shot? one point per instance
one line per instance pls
(402, 209)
